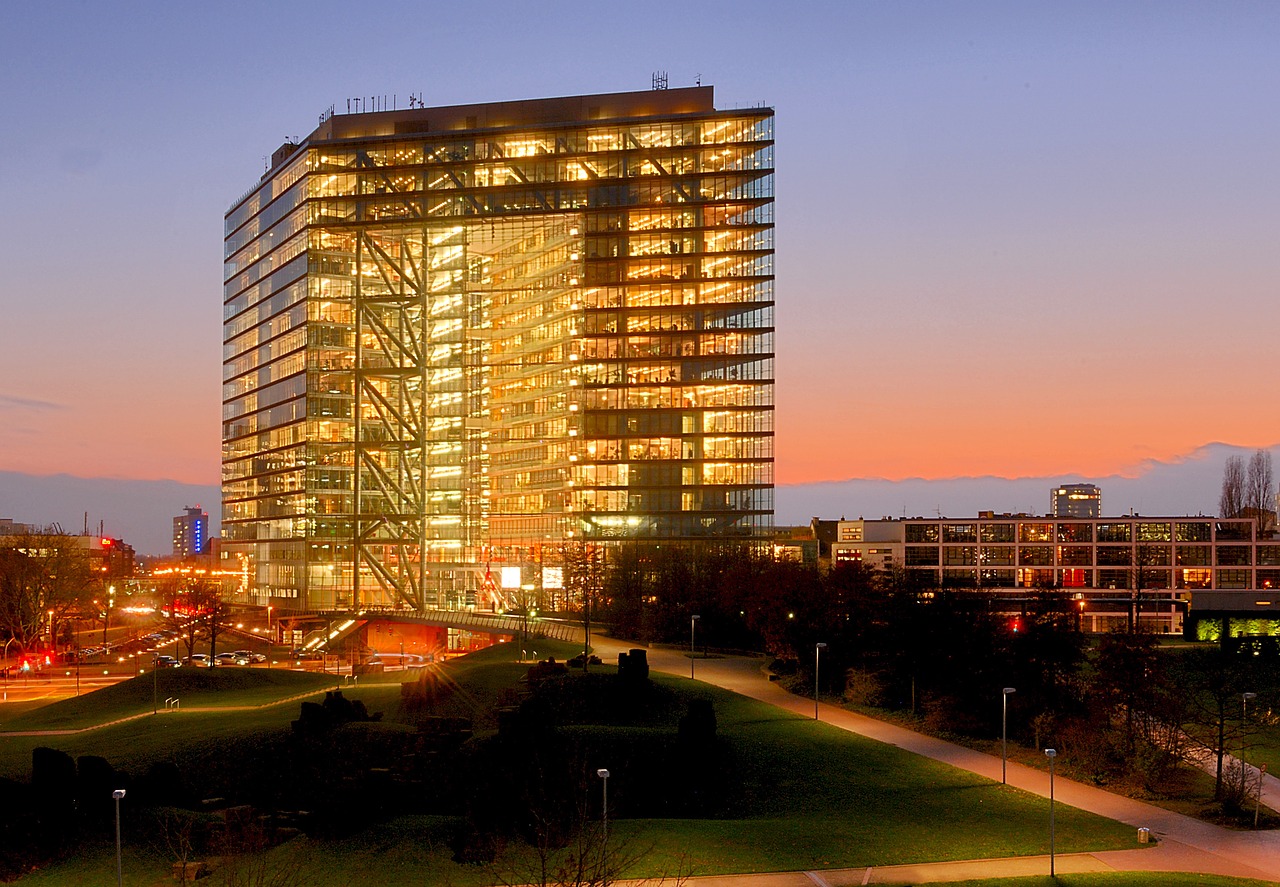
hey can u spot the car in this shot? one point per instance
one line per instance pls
(248, 657)
(197, 659)
(225, 659)
(167, 662)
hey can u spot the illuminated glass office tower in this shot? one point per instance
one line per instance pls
(467, 336)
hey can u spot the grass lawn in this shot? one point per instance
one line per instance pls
(810, 796)
(1264, 746)
(226, 686)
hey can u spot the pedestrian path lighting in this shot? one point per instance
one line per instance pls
(817, 654)
(693, 624)
(1004, 732)
(118, 794)
(1244, 726)
(604, 801)
(1051, 753)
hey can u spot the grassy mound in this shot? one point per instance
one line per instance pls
(194, 686)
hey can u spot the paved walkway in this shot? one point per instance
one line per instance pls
(1184, 844)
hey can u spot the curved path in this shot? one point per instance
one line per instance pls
(1185, 844)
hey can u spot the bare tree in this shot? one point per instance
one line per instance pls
(180, 614)
(1231, 500)
(583, 581)
(213, 612)
(43, 576)
(1260, 490)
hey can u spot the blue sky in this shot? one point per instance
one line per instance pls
(1014, 239)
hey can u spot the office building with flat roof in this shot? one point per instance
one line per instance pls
(190, 532)
(1107, 566)
(467, 336)
(1077, 500)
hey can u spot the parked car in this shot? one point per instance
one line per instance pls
(248, 657)
(167, 662)
(225, 659)
(197, 659)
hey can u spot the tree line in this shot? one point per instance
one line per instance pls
(1118, 706)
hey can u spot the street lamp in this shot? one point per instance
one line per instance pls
(817, 652)
(1051, 753)
(604, 816)
(118, 794)
(1244, 726)
(1004, 732)
(693, 625)
(604, 798)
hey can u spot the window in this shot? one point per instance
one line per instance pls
(1035, 532)
(1113, 532)
(922, 555)
(1153, 555)
(1114, 555)
(999, 556)
(1234, 555)
(1193, 556)
(1194, 578)
(1153, 532)
(1199, 531)
(1242, 530)
(1075, 556)
(1113, 578)
(1076, 578)
(996, 578)
(1233, 578)
(997, 532)
(1035, 578)
(1036, 555)
(922, 532)
(959, 533)
(1154, 578)
(1269, 555)
(1075, 532)
(959, 555)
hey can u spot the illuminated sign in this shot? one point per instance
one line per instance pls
(510, 577)
(553, 577)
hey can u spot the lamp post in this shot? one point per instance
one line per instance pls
(155, 682)
(604, 799)
(1004, 732)
(693, 625)
(1051, 753)
(118, 794)
(1244, 726)
(817, 656)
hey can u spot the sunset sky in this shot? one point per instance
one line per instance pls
(1013, 239)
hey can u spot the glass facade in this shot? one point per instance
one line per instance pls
(1089, 554)
(459, 336)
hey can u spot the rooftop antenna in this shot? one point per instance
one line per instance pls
(698, 80)
(659, 79)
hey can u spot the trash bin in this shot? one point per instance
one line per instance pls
(1144, 836)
